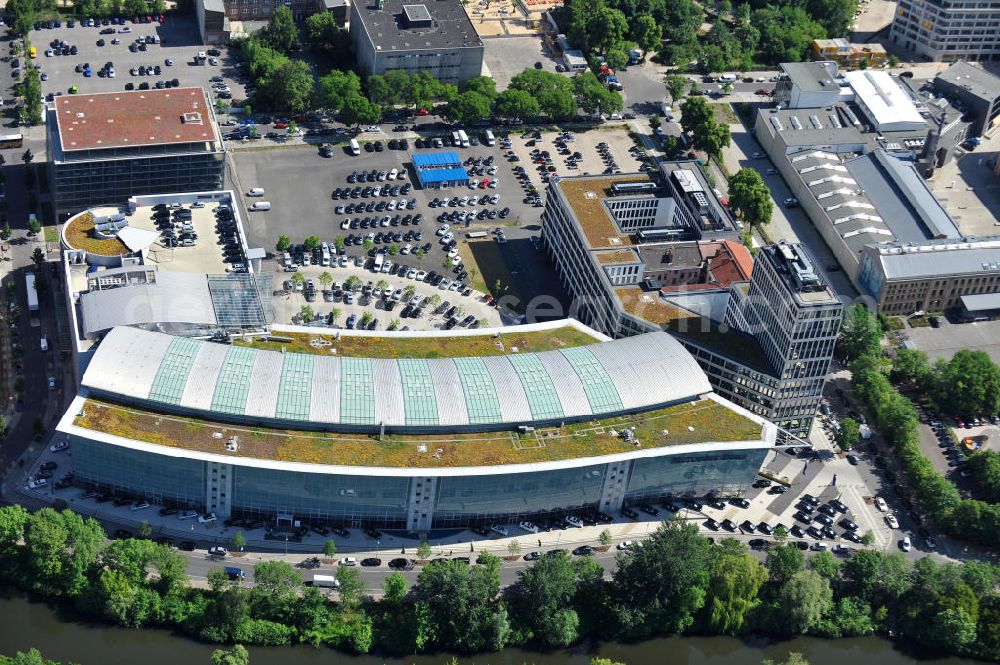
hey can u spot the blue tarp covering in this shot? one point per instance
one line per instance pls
(439, 167)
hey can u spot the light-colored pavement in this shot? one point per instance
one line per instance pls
(945, 341)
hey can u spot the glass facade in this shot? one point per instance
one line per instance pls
(349, 500)
(140, 474)
(465, 500)
(694, 474)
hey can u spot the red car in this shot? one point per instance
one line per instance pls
(422, 112)
(281, 125)
(764, 91)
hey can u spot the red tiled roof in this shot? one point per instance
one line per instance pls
(138, 118)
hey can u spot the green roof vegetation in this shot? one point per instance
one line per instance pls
(424, 347)
(726, 342)
(692, 422)
(79, 233)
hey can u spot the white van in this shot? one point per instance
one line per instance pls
(489, 138)
(463, 138)
(355, 147)
(727, 78)
(256, 191)
(456, 140)
(45, 344)
(261, 205)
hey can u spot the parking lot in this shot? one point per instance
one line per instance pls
(178, 43)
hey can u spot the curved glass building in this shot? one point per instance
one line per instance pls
(405, 442)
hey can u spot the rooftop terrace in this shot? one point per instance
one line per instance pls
(704, 420)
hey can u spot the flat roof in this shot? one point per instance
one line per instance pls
(884, 99)
(976, 256)
(975, 80)
(979, 302)
(585, 196)
(388, 29)
(138, 118)
(706, 419)
(359, 393)
(811, 76)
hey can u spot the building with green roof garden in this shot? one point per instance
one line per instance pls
(406, 443)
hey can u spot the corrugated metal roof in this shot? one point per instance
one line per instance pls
(634, 373)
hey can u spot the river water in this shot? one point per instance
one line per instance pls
(25, 624)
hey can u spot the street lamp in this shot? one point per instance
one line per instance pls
(286, 544)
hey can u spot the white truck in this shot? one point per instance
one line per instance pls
(326, 581)
(29, 282)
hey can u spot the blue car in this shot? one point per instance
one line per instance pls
(87, 73)
(351, 320)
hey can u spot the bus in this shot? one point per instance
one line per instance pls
(33, 52)
(11, 140)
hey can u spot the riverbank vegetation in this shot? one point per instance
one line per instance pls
(677, 581)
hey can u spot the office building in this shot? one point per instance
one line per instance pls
(639, 254)
(947, 30)
(105, 147)
(411, 443)
(977, 90)
(435, 37)
(218, 20)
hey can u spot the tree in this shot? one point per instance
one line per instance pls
(335, 313)
(543, 600)
(325, 279)
(457, 607)
(750, 197)
(34, 226)
(604, 538)
(782, 563)
(238, 655)
(5, 232)
(786, 33)
(298, 278)
(893, 60)
(469, 108)
(849, 434)
(311, 242)
(323, 33)
(647, 33)
(712, 139)
(306, 313)
(284, 242)
(424, 550)
(676, 85)
(27, 157)
(352, 283)
(695, 114)
(339, 242)
(593, 97)
(513, 103)
(38, 257)
(336, 86)
(357, 110)
(673, 563)
(290, 87)
(968, 384)
(985, 468)
(393, 325)
(394, 586)
(825, 564)
(484, 85)
(145, 530)
(803, 600)
(735, 577)
(351, 588)
(238, 541)
(859, 333)
(281, 33)
(912, 367)
(514, 548)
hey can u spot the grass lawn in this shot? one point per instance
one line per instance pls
(51, 234)
(676, 425)
(486, 256)
(427, 347)
(724, 113)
